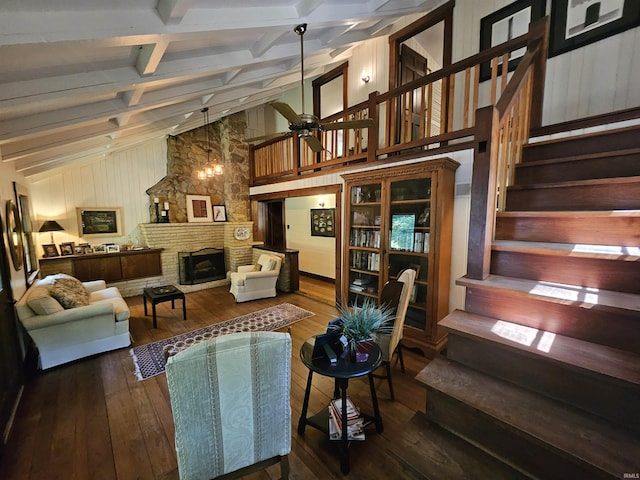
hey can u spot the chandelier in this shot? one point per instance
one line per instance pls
(211, 168)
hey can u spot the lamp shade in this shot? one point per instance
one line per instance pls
(50, 226)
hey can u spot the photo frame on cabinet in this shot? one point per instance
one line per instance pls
(323, 222)
(505, 24)
(575, 24)
(112, 248)
(199, 208)
(50, 250)
(219, 213)
(67, 248)
(99, 221)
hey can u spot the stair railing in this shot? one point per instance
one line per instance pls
(502, 131)
(436, 111)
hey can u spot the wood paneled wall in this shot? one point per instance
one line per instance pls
(598, 78)
(118, 180)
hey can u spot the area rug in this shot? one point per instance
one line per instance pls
(149, 359)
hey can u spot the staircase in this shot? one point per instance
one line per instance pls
(542, 368)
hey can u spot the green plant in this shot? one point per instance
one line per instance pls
(363, 323)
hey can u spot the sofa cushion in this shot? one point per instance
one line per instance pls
(69, 292)
(42, 303)
(267, 262)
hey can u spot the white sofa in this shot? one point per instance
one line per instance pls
(251, 282)
(66, 334)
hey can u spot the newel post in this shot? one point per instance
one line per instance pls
(483, 195)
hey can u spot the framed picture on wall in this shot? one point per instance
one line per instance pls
(219, 213)
(199, 208)
(99, 221)
(323, 222)
(577, 23)
(506, 24)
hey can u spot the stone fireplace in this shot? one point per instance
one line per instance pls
(187, 152)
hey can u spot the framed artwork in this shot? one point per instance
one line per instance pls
(577, 23)
(219, 213)
(50, 250)
(505, 24)
(199, 208)
(67, 248)
(323, 222)
(99, 221)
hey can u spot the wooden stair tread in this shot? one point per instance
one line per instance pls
(544, 421)
(608, 252)
(574, 353)
(575, 158)
(556, 292)
(590, 214)
(584, 136)
(426, 450)
(577, 183)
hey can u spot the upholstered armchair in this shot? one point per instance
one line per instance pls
(231, 405)
(251, 282)
(390, 343)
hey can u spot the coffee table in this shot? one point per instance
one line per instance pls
(163, 294)
(341, 372)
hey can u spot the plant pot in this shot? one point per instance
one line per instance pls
(362, 351)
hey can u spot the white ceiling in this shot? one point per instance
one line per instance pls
(81, 78)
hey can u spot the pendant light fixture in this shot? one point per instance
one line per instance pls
(211, 168)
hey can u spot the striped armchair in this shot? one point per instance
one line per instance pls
(231, 405)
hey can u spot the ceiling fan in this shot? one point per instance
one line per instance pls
(305, 124)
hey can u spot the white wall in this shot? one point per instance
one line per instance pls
(317, 254)
(119, 180)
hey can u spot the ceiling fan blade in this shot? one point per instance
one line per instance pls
(364, 123)
(314, 143)
(266, 137)
(286, 111)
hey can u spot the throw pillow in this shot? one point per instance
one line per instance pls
(257, 267)
(70, 292)
(42, 303)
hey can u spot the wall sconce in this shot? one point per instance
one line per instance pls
(365, 77)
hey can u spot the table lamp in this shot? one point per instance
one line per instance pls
(50, 226)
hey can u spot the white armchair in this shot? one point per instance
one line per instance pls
(251, 282)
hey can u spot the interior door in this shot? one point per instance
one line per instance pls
(274, 231)
(10, 369)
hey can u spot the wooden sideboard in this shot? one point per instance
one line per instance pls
(110, 267)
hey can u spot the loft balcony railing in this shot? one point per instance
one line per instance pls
(451, 109)
(433, 114)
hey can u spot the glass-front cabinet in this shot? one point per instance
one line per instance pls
(397, 218)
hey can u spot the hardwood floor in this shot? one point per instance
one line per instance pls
(93, 419)
(323, 290)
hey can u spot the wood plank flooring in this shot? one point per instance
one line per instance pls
(93, 419)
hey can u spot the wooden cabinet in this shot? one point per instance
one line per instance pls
(402, 217)
(110, 267)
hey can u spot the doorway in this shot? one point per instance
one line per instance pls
(265, 223)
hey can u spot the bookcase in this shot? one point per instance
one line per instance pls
(402, 217)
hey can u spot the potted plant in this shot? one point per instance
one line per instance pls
(360, 326)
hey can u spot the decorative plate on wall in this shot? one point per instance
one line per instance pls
(242, 233)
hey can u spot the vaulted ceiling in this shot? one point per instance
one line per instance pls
(82, 78)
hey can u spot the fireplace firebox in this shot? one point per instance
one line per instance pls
(205, 265)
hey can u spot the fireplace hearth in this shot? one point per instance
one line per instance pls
(201, 266)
